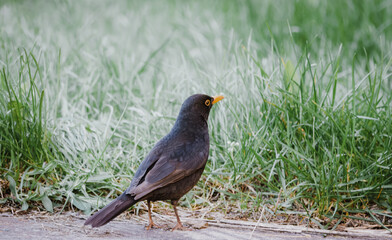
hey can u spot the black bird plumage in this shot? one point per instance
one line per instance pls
(172, 167)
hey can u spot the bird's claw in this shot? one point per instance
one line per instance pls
(179, 226)
(152, 225)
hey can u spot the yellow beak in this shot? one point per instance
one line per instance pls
(217, 99)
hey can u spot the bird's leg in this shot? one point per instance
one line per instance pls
(179, 225)
(151, 224)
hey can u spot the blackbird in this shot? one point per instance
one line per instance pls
(173, 166)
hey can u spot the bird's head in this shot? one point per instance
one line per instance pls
(196, 106)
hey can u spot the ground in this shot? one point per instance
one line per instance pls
(69, 225)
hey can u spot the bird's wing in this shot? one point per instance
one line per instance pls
(144, 167)
(153, 156)
(176, 163)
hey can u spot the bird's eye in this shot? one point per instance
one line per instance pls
(207, 102)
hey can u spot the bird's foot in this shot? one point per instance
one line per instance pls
(152, 225)
(179, 226)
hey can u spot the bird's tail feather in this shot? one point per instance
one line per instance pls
(112, 210)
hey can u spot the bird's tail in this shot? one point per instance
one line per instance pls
(112, 210)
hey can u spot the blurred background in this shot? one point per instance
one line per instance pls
(304, 131)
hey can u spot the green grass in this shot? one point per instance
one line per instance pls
(305, 128)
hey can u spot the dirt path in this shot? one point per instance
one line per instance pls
(70, 226)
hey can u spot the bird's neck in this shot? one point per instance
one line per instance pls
(191, 124)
